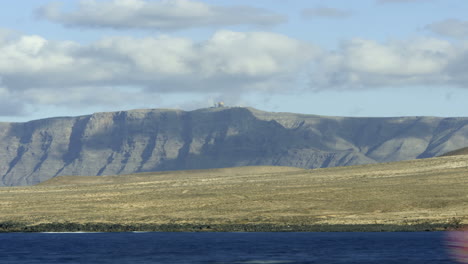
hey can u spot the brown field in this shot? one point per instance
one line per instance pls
(402, 193)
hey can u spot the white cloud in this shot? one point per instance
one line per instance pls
(37, 72)
(451, 28)
(366, 64)
(325, 12)
(115, 70)
(165, 15)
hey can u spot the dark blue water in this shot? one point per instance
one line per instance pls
(424, 247)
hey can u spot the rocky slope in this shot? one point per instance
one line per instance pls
(157, 139)
(457, 152)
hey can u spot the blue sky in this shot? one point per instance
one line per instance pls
(336, 57)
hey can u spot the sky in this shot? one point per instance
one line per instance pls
(359, 58)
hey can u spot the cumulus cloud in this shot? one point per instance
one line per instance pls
(38, 72)
(325, 12)
(117, 69)
(451, 28)
(165, 15)
(366, 64)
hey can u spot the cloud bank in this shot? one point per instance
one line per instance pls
(37, 72)
(367, 64)
(117, 69)
(166, 15)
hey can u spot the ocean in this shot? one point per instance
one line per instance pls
(247, 248)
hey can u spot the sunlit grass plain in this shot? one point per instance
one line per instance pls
(401, 193)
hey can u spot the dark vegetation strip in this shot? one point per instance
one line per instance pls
(6, 227)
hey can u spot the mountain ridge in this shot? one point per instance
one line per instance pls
(122, 142)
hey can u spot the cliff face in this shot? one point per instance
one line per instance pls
(153, 140)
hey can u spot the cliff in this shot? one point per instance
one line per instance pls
(157, 140)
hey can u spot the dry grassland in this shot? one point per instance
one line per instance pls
(403, 193)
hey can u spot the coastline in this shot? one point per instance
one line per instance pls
(13, 227)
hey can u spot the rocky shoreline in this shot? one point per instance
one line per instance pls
(10, 227)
